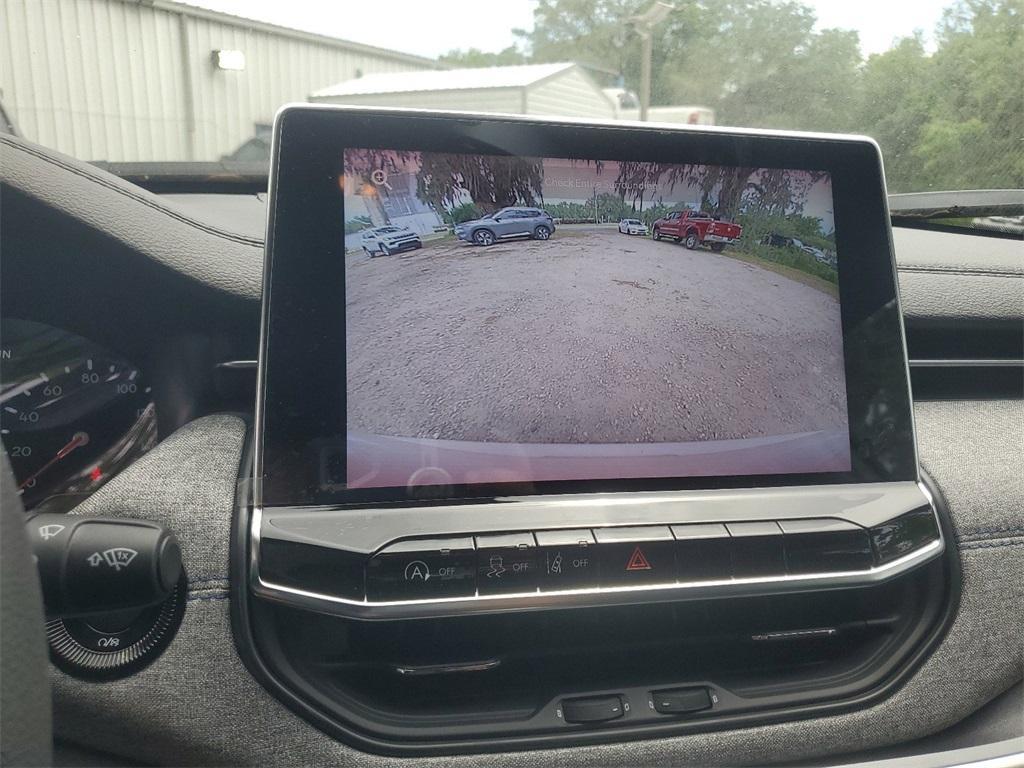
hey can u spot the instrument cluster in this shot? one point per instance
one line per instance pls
(72, 413)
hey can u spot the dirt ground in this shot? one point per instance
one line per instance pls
(592, 336)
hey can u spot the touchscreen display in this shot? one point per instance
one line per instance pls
(528, 319)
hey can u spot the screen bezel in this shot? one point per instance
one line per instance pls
(302, 382)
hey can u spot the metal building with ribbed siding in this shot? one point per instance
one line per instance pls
(525, 89)
(131, 80)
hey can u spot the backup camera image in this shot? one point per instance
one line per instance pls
(525, 319)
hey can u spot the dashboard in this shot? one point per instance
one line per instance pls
(128, 341)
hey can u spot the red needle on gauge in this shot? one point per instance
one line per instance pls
(79, 439)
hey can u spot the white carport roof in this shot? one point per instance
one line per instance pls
(518, 76)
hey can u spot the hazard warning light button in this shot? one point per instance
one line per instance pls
(633, 556)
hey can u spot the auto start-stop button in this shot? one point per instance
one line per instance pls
(423, 570)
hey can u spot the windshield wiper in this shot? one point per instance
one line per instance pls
(988, 212)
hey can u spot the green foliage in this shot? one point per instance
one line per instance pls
(357, 224)
(791, 257)
(586, 31)
(955, 119)
(952, 119)
(760, 63)
(474, 57)
(896, 102)
(804, 228)
(570, 212)
(464, 212)
(613, 208)
(975, 137)
(604, 208)
(655, 212)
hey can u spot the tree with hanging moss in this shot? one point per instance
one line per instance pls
(492, 182)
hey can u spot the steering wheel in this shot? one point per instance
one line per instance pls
(26, 716)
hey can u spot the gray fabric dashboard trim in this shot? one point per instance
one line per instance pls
(188, 483)
(974, 450)
(198, 704)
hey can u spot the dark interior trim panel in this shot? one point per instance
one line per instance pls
(366, 700)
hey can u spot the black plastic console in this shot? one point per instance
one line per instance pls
(423, 676)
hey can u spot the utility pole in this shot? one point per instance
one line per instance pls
(644, 24)
(645, 74)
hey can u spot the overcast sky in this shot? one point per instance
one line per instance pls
(433, 28)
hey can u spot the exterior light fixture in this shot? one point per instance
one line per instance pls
(230, 60)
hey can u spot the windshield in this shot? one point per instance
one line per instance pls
(124, 83)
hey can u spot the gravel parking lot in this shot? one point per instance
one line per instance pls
(592, 336)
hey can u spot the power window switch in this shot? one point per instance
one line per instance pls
(595, 709)
(679, 701)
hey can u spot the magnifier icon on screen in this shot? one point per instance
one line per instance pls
(380, 178)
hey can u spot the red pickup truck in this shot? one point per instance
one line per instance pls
(695, 228)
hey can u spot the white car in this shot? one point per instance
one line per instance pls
(388, 240)
(817, 253)
(632, 227)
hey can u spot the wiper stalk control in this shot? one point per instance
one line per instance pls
(90, 565)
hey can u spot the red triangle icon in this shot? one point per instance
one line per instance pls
(638, 561)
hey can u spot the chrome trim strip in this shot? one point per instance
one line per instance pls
(367, 529)
(967, 363)
(423, 670)
(596, 596)
(523, 601)
(255, 526)
(797, 634)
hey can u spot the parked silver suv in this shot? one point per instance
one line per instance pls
(505, 224)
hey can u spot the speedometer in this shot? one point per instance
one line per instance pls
(72, 414)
